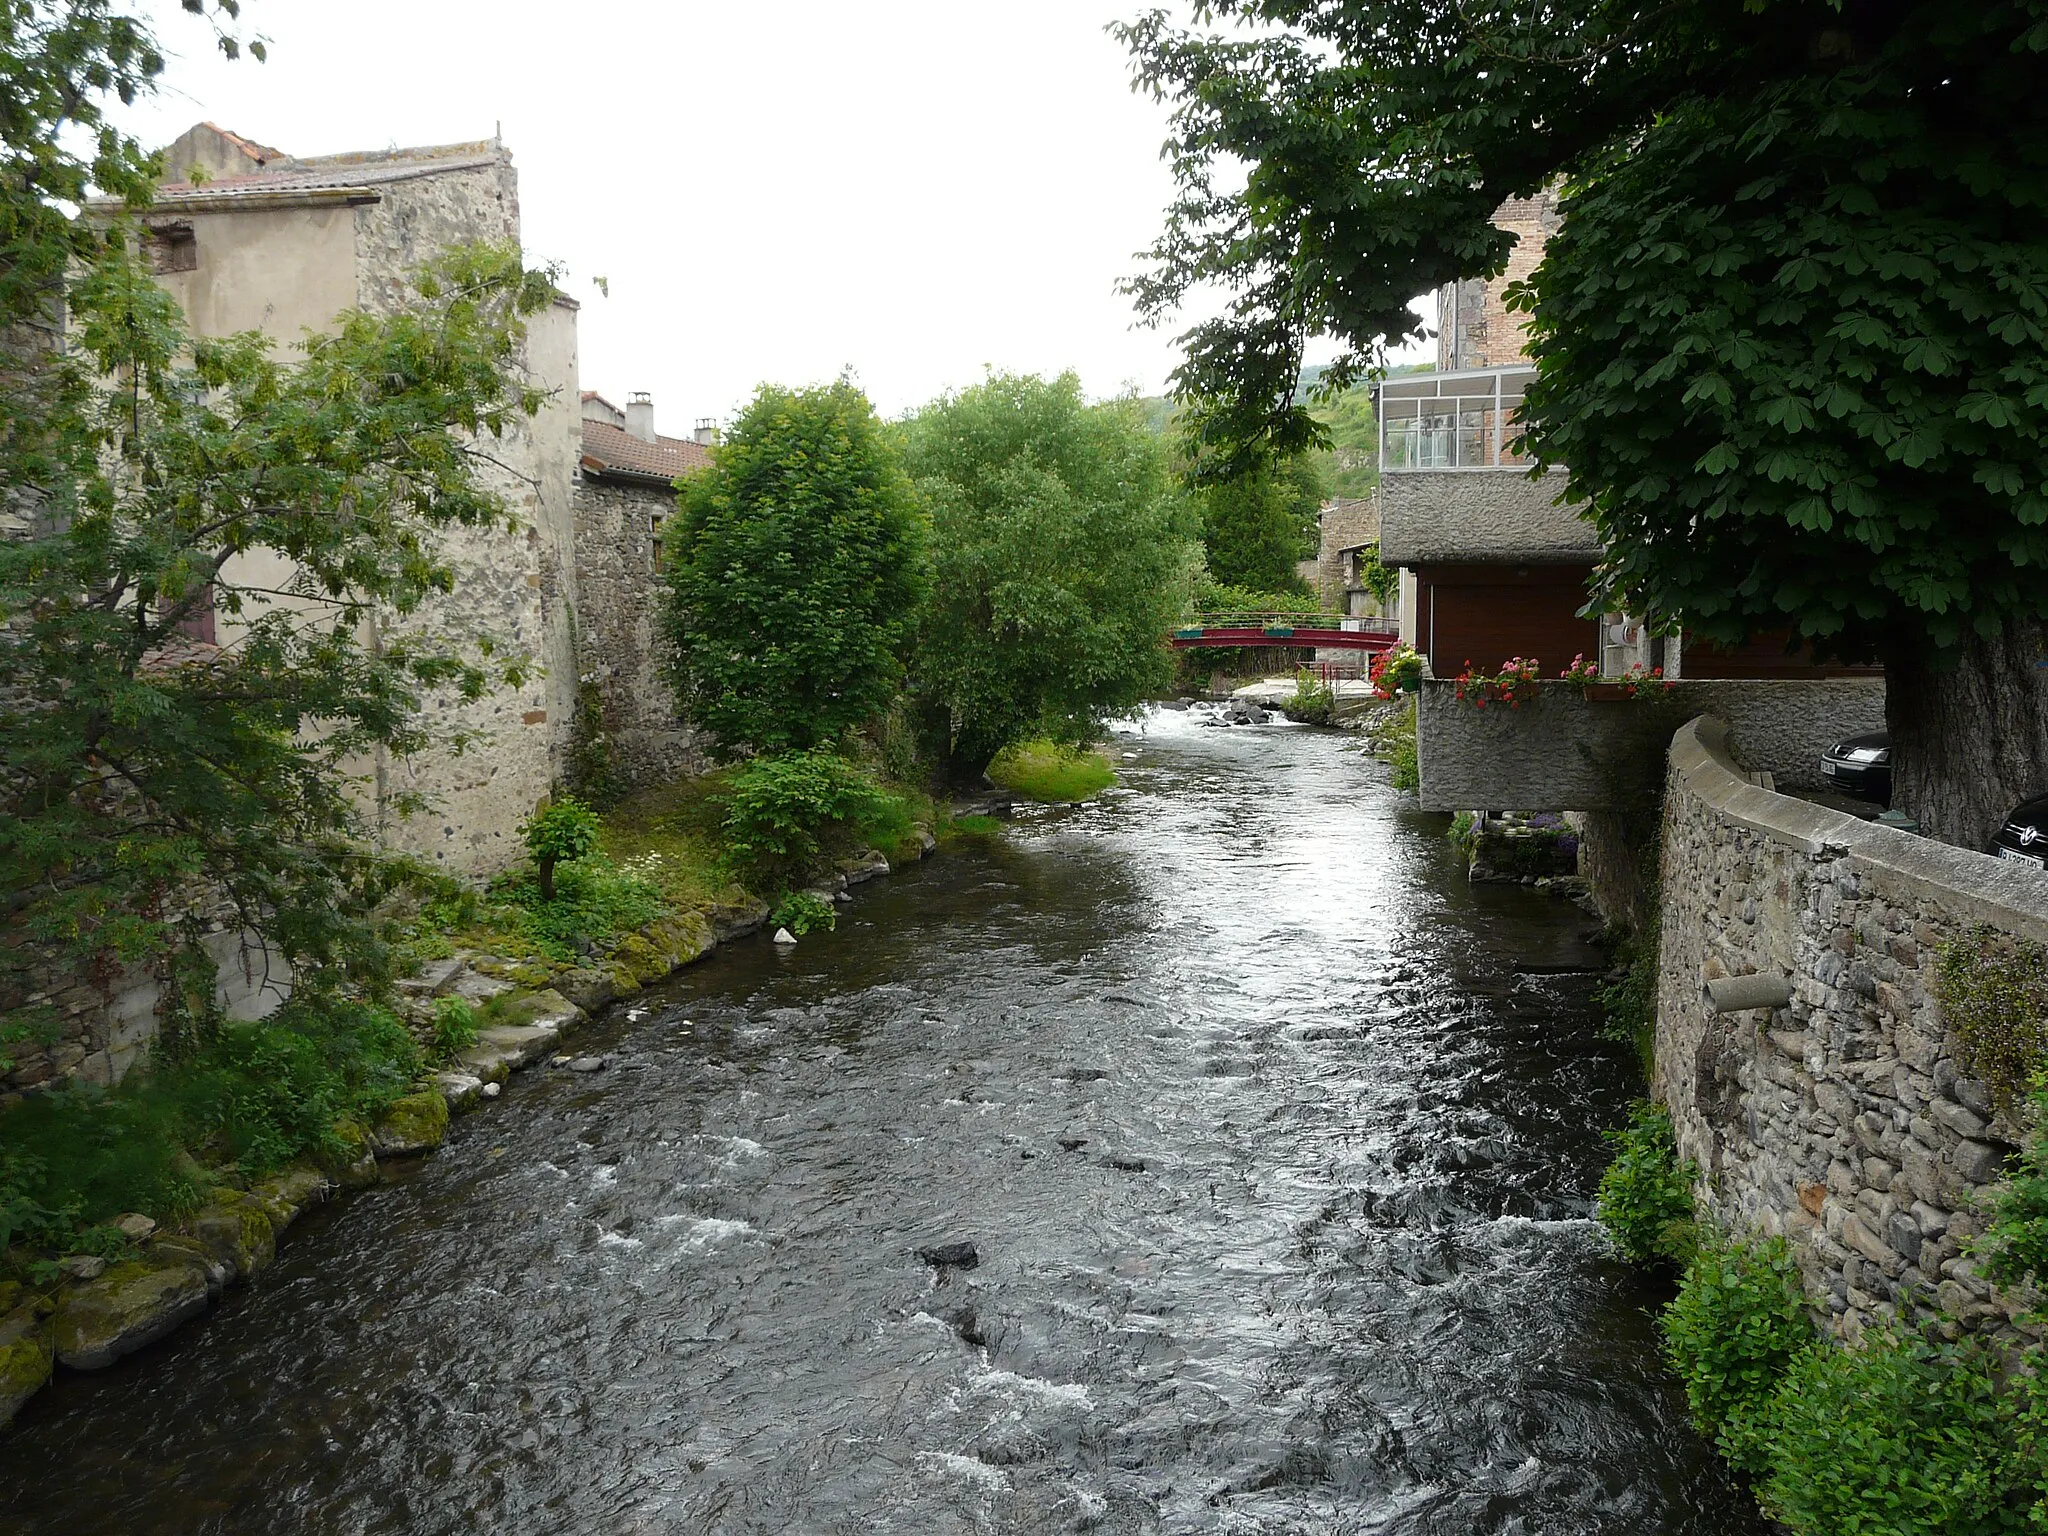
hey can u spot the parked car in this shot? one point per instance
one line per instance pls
(2025, 833)
(1861, 766)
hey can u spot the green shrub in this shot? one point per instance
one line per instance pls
(802, 911)
(1314, 700)
(782, 812)
(975, 829)
(1396, 746)
(455, 1027)
(595, 904)
(2014, 1247)
(1629, 1004)
(1049, 773)
(1901, 1437)
(251, 1099)
(560, 832)
(1645, 1200)
(1732, 1332)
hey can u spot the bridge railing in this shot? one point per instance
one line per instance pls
(1238, 619)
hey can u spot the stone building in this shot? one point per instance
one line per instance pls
(625, 490)
(267, 241)
(1349, 526)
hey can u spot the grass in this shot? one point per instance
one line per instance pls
(973, 831)
(1051, 774)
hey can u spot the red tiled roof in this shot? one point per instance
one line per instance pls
(609, 449)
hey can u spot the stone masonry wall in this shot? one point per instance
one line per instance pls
(517, 587)
(1344, 523)
(1844, 1121)
(618, 630)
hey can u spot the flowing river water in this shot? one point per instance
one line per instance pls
(1274, 1137)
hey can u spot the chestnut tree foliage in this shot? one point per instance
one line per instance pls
(1790, 338)
(148, 477)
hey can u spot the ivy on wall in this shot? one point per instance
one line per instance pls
(1993, 991)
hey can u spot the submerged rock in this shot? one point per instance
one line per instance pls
(950, 1255)
(588, 1064)
(129, 1306)
(784, 936)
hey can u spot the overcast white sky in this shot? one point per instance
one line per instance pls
(775, 189)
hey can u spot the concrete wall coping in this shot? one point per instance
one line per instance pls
(1976, 886)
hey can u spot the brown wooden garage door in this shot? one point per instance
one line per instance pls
(1485, 614)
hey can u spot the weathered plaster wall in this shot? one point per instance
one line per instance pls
(1560, 752)
(618, 630)
(1843, 1122)
(1469, 516)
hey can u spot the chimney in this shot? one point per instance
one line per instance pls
(707, 432)
(640, 415)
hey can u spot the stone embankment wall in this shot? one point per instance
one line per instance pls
(1843, 1121)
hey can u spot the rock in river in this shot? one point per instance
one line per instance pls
(129, 1306)
(950, 1255)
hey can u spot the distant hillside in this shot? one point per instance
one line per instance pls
(1350, 465)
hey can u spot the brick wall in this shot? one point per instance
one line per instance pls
(1474, 327)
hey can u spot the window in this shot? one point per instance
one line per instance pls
(172, 248)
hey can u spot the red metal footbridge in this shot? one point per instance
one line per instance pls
(1322, 631)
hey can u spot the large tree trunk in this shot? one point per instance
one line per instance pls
(1968, 744)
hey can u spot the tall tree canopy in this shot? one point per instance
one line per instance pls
(1258, 525)
(1061, 549)
(795, 575)
(1790, 337)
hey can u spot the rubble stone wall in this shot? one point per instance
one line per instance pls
(618, 631)
(1844, 1121)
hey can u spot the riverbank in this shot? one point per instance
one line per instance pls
(512, 1004)
(1274, 1137)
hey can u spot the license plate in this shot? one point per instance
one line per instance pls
(2034, 859)
(1830, 769)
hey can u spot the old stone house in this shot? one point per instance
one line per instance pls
(267, 241)
(247, 237)
(625, 491)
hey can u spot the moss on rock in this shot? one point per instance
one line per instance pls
(131, 1305)
(411, 1125)
(28, 1354)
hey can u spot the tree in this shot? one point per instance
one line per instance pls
(559, 833)
(796, 574)
(1258, 525)
(1060, 550)
(1789, 340)
(145, 774)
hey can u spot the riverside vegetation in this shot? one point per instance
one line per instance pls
(988, 582)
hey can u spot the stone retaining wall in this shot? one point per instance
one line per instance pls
(1842, 1121)
(1562, 752)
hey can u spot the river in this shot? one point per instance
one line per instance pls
(1275, 1140)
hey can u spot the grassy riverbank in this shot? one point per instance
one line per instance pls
(312, 1082)
(1051, 774)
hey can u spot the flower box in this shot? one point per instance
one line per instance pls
(1608, 693)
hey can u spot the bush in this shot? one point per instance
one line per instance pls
(559, 833)
(1629, 1003)
(455, 1027)
(1051, 774)
(251, 1099)
(781, 812)
(1736, 1326)
(595, 903)
(1395, 745)
(1897, 1438)
(1645, 1199)
(2014, 1247)
(1314, 700)
(802, 911)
